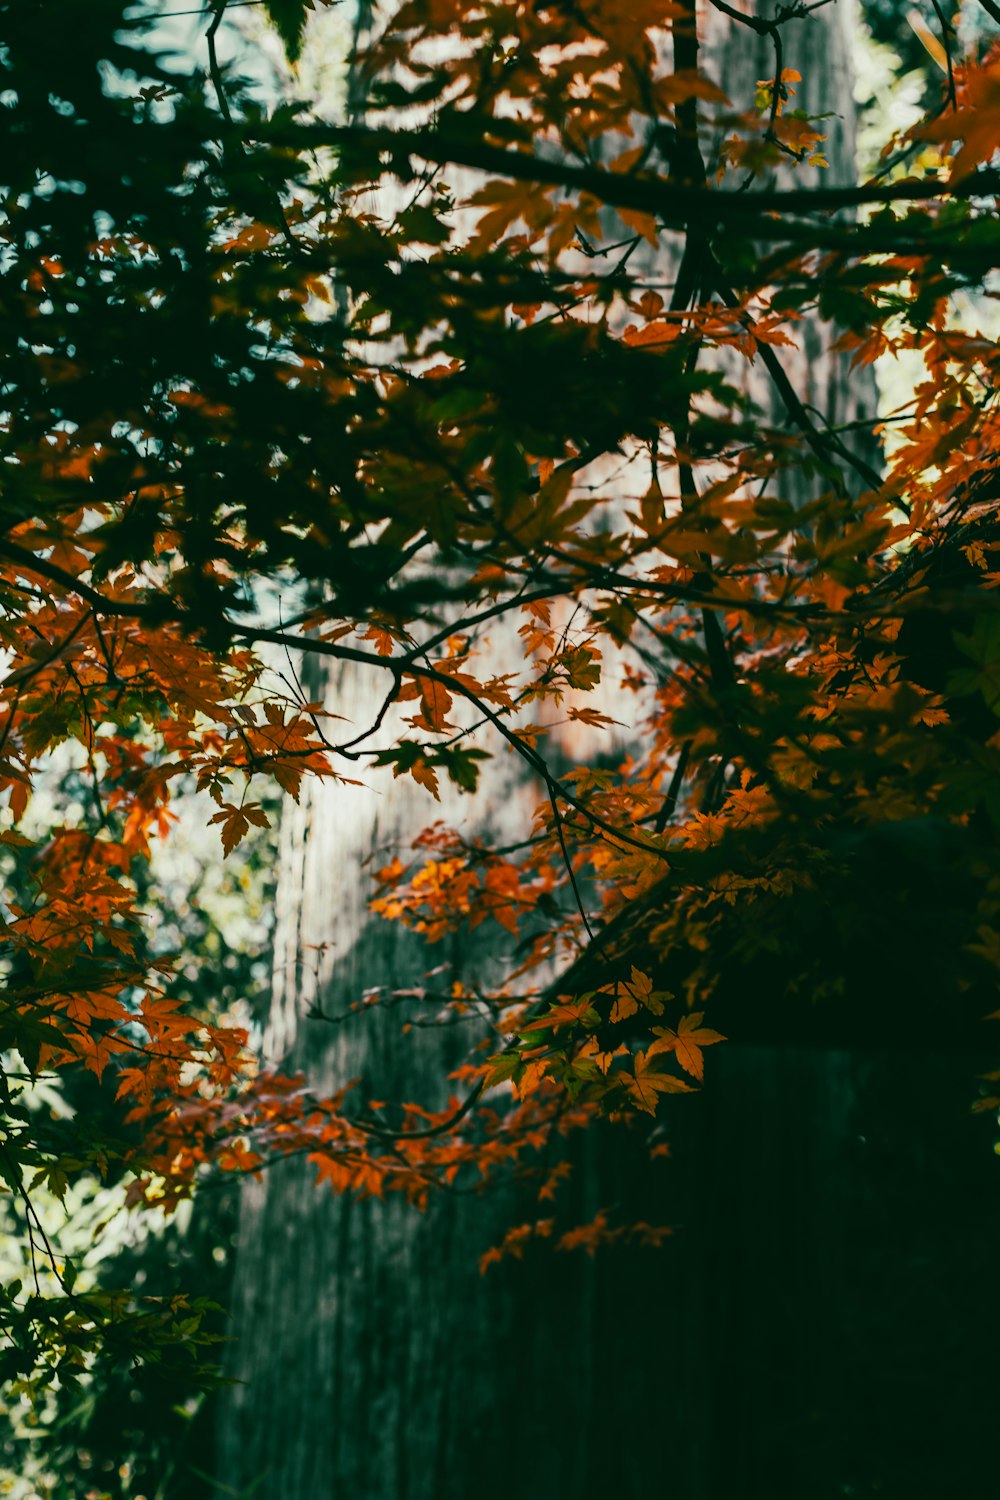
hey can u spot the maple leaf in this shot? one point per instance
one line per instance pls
(645, 1084)
(425, 775)
(490, 1257)
(384, 642)
(531, 1074)
(565, 1013)
(625, 1004)
(503, 1068)
(237, 821)
(687, 1042)
(435, 703)
(334, 1170)
(982, 647)
(976, 122)
(630, 994)
(591, 716)
(657, 334)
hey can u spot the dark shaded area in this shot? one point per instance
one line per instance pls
(820, 1324)
(844, 1213)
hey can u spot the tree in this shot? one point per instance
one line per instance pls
(389, 1375)
(227, 375)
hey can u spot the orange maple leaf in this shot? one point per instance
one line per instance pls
(976, 123)
(646, 1085)
(687, 1041)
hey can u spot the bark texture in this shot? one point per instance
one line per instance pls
(754, 1355)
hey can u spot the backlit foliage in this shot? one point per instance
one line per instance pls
(426, 374)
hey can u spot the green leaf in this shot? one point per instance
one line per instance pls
(983, 648)
(503, 1067)
(10, 1171)
(461, 766)
(288, 17)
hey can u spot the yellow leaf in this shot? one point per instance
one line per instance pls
(687, 1041)
(625, 1004)
(646, 1085)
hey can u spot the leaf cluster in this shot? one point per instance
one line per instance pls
(431, 382)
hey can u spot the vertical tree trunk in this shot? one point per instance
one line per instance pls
(375, 1363)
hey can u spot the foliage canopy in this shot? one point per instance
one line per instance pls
(424, 371)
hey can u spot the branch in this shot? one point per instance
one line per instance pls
(649, 194)
(341, 653)
(823, 444)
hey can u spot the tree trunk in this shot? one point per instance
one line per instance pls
(374, 1361)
